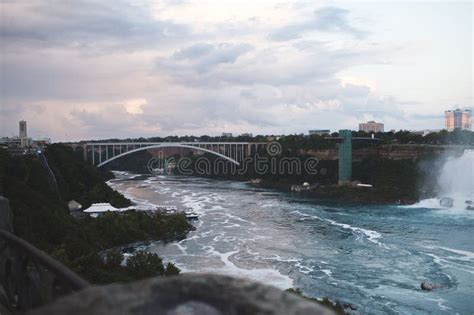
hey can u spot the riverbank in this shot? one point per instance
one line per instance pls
(347, 194)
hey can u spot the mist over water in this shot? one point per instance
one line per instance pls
(455, 179)
(457, 176)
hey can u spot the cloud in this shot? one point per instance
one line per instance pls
(86, 25)
(135, 106)
(103, 69)
(215, 65)
(327, 19)
(203, 56)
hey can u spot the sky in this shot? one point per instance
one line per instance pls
(77, 70)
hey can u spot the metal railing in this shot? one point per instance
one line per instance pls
(29, 277)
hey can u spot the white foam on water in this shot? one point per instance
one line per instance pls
(266, 276)
(465, 255)
(182, 248)
(277, 257)
(234, 217)
(327, 272)
(140, 204)
(303, 269)
(268, 205)
(431, 203)
(444, 262)
(196, 205)
(372, 236)
(230, 225)
(202, 204)
(458, 209)
(440, 302)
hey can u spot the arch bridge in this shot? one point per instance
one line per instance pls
(101, 153)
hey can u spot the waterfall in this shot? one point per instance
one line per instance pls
(456, 179)
(457, 175)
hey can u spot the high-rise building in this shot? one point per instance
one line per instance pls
(449, 120)
(23, 134)
(371, 126)
(466, 120)
(457, 118)
(227, 134)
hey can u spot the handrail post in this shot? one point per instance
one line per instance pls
(6, 217)
(28, 276)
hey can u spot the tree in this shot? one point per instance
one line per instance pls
(171, 270)
(144, 265)
(113, 259)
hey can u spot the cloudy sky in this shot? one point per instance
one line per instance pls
(102, 69)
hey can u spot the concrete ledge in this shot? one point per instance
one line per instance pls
(190, 294)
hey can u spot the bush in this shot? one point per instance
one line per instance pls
(144, 265)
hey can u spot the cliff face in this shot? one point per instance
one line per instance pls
(390, 152)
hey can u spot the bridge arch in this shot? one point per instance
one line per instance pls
(170, 145)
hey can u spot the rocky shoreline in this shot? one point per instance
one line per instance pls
(350, 193)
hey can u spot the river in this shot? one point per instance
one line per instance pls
(374, 257)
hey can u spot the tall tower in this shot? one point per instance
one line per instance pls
(345, 154)
(23, 134)
(466, 123)
(449, 120)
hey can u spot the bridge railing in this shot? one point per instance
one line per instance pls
(29, 277)
(100, 153)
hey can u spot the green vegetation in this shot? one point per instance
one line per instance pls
(394, 180)
(337, 307)
(301, 141)
(40, 215)
(81, 181)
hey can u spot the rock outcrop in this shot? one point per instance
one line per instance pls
(191, 294)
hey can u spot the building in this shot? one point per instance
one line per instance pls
(250, 135)
(457, 119)
(97, 209)
(319, 132)
(7, 142)
(23, 134)
(227, 134)
(371, 126)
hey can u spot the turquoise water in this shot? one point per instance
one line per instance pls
(374, 257)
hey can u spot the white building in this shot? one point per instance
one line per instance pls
(99, 208)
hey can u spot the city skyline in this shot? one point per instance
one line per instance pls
(87, 71)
